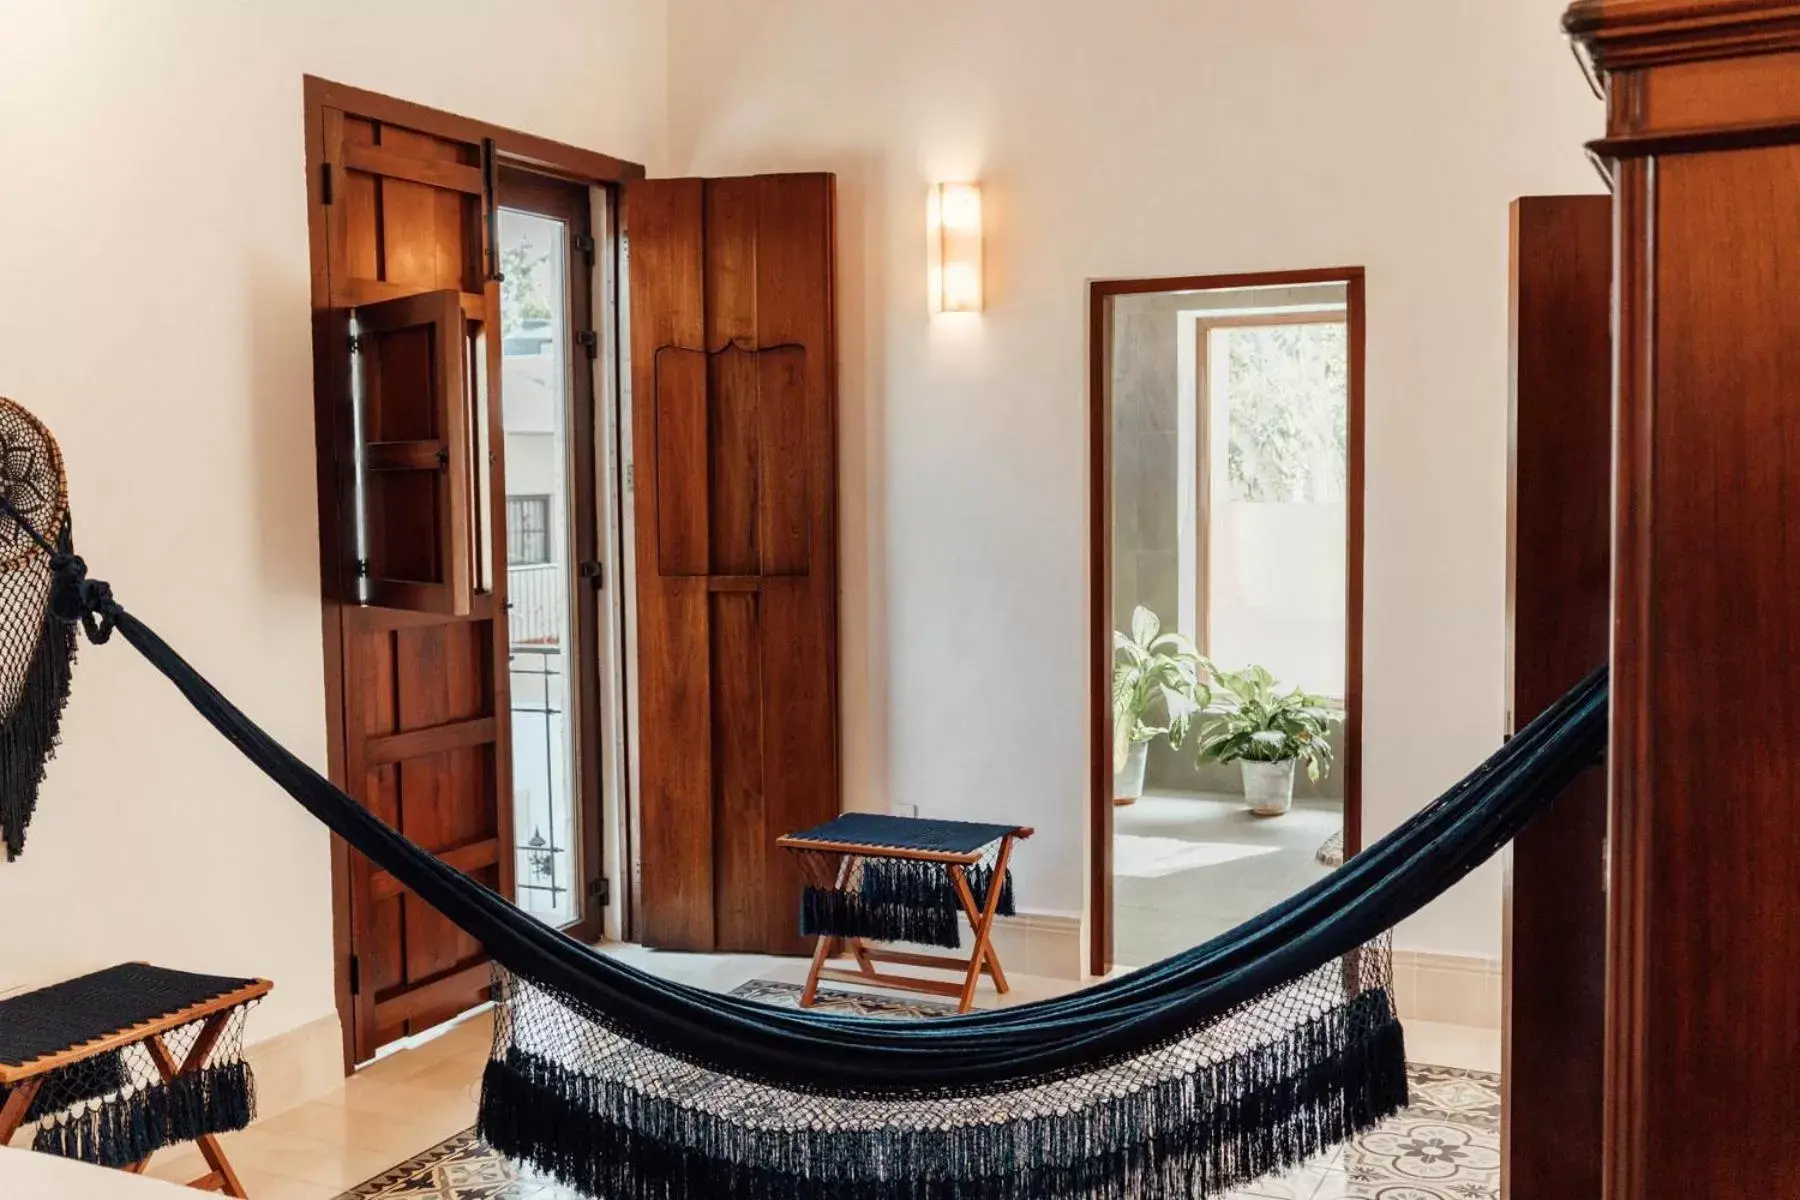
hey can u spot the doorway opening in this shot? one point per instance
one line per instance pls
(1227, 531)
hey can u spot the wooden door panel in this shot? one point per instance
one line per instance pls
(784, 512)
(1559, 605)
(740, 823)
(675, 817)
(410, 374)
(732, 353)
(424, 684)
(797, 706)
(733, 462)
(680, 459)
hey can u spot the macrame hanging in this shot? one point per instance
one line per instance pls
(1187, 1078)
(36, 649)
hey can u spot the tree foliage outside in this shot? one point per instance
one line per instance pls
(524, 287)
(1289, 413)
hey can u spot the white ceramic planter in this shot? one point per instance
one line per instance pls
(1128, 785)
(1269, 787)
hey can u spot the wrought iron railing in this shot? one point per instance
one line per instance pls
(537, 599)
(542, 824)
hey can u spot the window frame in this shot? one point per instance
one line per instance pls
(543, 531)
(1202, 536)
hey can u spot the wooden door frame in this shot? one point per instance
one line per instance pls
(512, 148)
(1100, 562)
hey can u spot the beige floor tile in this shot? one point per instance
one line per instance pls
(178, 1164)
(408, 1102)
(309, 1160)
(263, 1186)
(340, 1124)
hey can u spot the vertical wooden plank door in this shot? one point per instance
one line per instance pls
(1559, 600)
(407, 319)
(733, 368)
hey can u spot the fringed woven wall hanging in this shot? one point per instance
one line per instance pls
(1183, 1079)
(36, 650)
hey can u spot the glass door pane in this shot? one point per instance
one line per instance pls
(535, 393)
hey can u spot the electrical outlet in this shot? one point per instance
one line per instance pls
(906, 810)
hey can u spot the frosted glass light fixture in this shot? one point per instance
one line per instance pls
(953, 228)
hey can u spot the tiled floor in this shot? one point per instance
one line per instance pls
(1242, 864)
(416, 1098)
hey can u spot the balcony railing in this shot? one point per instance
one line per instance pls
(538, 598)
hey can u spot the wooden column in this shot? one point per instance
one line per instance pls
(1559, 597)
(1703, 985)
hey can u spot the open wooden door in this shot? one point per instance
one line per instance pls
(406, 344)
(1559, 605)
(733, 368)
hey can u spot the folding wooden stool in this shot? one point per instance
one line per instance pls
(836, 854)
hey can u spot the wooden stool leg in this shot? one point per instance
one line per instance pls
(992, 958)
(222, 1177)
(827, 946)
(822, 953)
(986, 926)
(18, 1103)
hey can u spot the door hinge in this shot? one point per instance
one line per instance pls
(325, 193)
(356, 343)
(590, 341)
(362, 568)
(490, 186)
(600, 891)
(355, 975)
(595, 572)
(584, 245)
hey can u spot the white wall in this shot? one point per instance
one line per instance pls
(1134, 138)
(154, 311)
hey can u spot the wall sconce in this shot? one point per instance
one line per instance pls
(953, 227)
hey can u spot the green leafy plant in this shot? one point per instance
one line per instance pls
(1250, 719)
(1152, 671)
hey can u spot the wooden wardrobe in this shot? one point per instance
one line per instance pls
(1702, 1025)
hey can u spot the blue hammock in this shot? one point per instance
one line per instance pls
(1234, 1059)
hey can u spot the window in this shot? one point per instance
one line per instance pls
(527, 530)
(1274, 463)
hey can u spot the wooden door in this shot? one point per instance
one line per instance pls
(410, 488)
(733, 368)
(1559, 601)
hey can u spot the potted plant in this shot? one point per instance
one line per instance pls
(1267, 731)
(1153, 672)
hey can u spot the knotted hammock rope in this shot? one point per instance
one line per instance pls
(1239, 1057)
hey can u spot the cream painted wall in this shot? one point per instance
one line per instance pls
(1134, 138)
(154, 311)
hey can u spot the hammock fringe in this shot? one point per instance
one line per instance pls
(898, 900)
(131, 1126)
(1218, 1127)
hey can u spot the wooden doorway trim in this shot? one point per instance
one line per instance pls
(1100, 617)
(322, 98)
